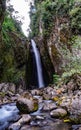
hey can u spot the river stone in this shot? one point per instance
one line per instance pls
(36, 92)
(80, 128)
(48, 126)
(60, 112)
(7, 87)
(75, 109)
(65, 101)
(49, 93)
(26, 127)
(46, 96)
(39, 117)
(27, 103)
(12, 87)
(49, 106)
(6, 100)
(1, 86)
(24, 120)
(73, 106)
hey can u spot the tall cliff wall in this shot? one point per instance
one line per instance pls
(56, 26)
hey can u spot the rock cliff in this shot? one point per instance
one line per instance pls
(56, 26)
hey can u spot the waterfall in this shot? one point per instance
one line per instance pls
(38, 64)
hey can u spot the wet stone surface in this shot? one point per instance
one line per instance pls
(57, 111)
(48, 125)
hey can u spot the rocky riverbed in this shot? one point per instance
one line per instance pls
(43, 109)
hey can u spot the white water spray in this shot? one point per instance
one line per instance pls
(38, 64)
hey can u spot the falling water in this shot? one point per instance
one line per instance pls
(38, 64)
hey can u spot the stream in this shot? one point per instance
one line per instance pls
(40, 120)
(8, 114)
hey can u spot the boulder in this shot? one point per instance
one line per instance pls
(24, 120)
(36, 92)
(27, 103)
(59, 112)
(7, 87)
(49, 93)
(72, 103)
(75, 109)
(47, 106)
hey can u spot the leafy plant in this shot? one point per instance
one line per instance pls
(8, 70)
(56, 79)
(47, 11)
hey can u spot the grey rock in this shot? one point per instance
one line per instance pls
(24, 120)
(58, 112)
(27, 103)
(49, 106)
(7, 87)
(35, 92)
(49, 93)
(80, 128)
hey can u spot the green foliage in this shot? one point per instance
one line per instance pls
(73, 60)
(42, 14)
(34, 25)
(8, 70)
(74, 11)
(12, 75)
(47, 11)
(75, 17)
(71, 72)
(66, 76)
(56, 79)
(9, 25)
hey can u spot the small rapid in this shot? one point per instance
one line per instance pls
(8, 113)
(41, 120)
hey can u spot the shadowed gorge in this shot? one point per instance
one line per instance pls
(38, 76)
(40, 65)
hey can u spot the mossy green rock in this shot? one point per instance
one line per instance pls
(27, 104)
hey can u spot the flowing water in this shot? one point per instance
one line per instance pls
(38, 65)
(40, 120)
(8, 113)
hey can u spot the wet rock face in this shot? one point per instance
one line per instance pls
(59, 43)
(56, 57)
(48, 68)
(52, 47)
(27, 103)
